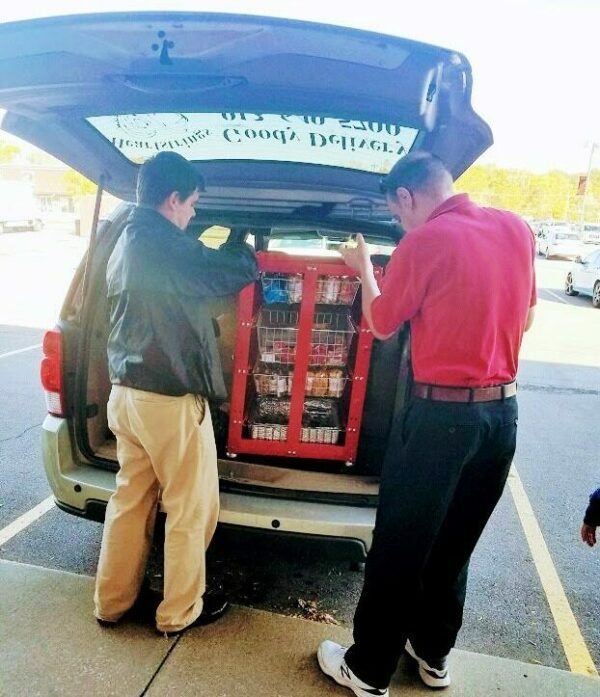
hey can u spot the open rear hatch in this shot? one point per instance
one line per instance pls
(103, 92)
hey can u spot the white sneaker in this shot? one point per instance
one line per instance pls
(331, 660)
(436, 675)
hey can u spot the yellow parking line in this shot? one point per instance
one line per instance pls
(25, 520)
(574, 645)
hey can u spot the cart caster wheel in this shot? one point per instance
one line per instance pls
(349, 463)
(357, 566)
(231, 455)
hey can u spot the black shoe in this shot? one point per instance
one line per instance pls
(142, 610)
(107, 623)
(146, 604)
(215, 606)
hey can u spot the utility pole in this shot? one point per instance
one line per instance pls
(587, 182)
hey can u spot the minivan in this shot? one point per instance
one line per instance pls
(292, 124)
(559, 241)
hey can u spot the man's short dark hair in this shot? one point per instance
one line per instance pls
(417, 171)
(163, 174)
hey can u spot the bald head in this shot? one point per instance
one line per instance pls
(418, 171)
(415, 187)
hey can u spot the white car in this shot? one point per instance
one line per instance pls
(590, 233)
(584, 277)
(559, 241)
(19, 209)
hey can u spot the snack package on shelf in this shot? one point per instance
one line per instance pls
(337, 382)
(295, 288)
(260, 431)
(276, 380)
(319, 412)
(281, 288)
(328, 290)
(319, 383)
(320, 422)
(336, 291)
(348, 290)
(272, 410)
(328, 354)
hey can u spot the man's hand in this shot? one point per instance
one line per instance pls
(357, 258)
(588, 534)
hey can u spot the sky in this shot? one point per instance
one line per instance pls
(536, 63)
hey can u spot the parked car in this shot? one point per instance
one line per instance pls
(292, 125)
(19, 209)
(545, 225)
(559, 241)
(590, 233)
(584, 277)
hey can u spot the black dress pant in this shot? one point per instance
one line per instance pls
(445, 469)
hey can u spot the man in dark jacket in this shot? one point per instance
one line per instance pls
(164, 366)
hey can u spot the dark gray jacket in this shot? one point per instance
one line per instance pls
(162, 336)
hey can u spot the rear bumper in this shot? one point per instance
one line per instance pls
(84, 490)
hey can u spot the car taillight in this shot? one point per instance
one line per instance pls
(52, 373)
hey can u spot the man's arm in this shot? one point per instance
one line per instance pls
(206, 272)
(370, 291)
(401, 292)
(530, 318)
(591, 519)
(533, 294)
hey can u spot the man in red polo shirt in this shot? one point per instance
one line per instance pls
(463, 276)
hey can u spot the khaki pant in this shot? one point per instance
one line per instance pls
(164, 444)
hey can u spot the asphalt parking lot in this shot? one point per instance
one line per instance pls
(512, 601)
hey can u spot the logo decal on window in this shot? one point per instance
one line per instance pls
(370, 146)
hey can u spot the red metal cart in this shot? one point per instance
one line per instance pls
(296, 325)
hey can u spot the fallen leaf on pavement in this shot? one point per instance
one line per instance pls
(311, 611)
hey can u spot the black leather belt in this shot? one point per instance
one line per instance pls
(439, 393)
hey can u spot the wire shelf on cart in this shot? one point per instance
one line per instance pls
(331, 337)
(319, 435)
(320, 421)
(307, 330)
(276, 380)
(288, 288)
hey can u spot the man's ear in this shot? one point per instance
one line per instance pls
(172, 199)
(404, 196)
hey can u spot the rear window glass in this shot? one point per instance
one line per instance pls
(371, 146)
(320, 243)
(214, 236)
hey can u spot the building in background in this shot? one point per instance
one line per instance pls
(52, 191)
(48, 183)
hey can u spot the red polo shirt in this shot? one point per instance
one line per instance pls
(465, 280)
